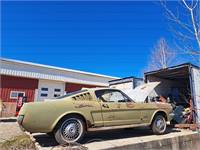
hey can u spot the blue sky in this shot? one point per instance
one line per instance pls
(112, 38)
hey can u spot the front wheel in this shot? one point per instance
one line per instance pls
(70, 130)
(159, 125)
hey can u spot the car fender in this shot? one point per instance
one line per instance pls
(159, 111)
(68, 113)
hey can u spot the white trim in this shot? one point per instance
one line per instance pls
(36, 95)
(17, 94)
(42, 94)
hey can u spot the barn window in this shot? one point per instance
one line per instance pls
(57, 90)
(44, 95)
(44, 89)
(56, 95)
(16, 94)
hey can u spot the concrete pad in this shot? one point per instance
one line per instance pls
(138, 138)
(126, 143)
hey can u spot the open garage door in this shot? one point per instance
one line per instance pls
(180, 86)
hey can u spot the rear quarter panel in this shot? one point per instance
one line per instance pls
(44, 116)
(39, 117)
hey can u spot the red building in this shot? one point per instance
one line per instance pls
(38, 82)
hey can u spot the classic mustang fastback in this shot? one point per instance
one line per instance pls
(70, 116)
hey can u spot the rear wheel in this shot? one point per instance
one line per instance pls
(159, 125)
(70, 130)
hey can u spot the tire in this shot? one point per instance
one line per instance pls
(70, 130)
(159, 125)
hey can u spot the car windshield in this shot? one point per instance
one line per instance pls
(69, 94)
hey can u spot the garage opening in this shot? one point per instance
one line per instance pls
(175, 87)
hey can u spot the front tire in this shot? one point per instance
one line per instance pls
(159, 125)
(71, 130)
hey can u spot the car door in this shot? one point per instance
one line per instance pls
(107, 107)
(117, 108)
(127, 111)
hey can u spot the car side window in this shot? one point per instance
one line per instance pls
(111, 96)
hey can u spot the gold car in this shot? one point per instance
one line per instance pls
(71, 116)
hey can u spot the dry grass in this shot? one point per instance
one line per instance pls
(21, 142)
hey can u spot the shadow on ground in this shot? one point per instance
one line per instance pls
(48, 141)
(8, 120)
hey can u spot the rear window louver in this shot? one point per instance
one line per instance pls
(84, 96)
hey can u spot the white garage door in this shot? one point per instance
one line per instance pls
(50, 89)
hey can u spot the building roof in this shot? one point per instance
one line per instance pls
(181, 71)
(33, 70)
(124, 80)
(172, 68)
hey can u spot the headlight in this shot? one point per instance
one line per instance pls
(20, 119)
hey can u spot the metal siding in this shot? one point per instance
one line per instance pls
(71, 87)
(18, 82)
(5, 94)
(9, 83)
(196, 91)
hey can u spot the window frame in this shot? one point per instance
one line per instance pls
(56, 95)
(44, 89)
(57, 90)
(11, 97)
(41, 94)
(128, 99)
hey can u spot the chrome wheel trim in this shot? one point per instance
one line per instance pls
(160, 124)
(71, 130)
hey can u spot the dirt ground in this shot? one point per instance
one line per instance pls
(8, 129)
(12, 138)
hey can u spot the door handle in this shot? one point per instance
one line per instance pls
(105, 105)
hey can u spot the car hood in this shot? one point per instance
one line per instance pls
(140, 93)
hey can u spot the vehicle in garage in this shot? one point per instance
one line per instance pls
(70, 116)
(181, 86)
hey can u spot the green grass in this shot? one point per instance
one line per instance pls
(21, 142)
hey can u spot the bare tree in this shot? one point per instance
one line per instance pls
(186, 17)
(162, 56)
